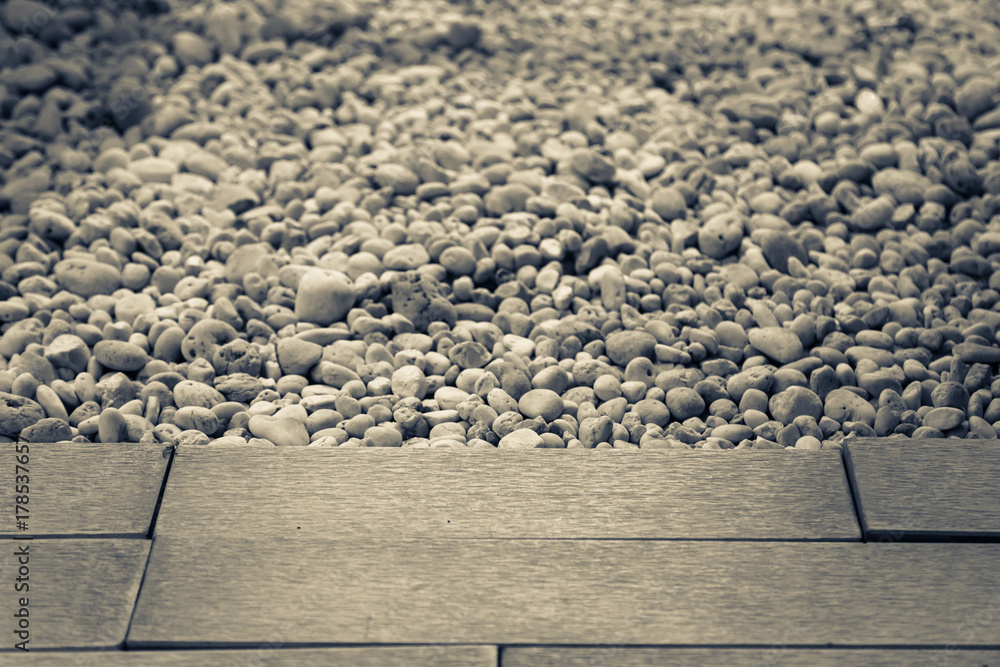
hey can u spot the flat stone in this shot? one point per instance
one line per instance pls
(843, 405)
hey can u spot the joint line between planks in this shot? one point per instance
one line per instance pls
(855, 492)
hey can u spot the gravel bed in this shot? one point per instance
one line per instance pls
(628, 224)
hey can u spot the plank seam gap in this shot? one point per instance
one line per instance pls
(135, 602)
(163, 490)
(852, 488)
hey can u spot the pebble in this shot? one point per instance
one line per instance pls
(297, 356)
(595, 430)
(47, 430)
(419, 298)
(283, 432)
(110, 425)
(778, 247)
(382, 436)
(409, 382)
(68, 351)
(521, 438)
(543, 403)
(778, 343)
(191, 49)
(624, 346)
(684, 403)
(324, 296)
(944, 418)
(795, 402)
(86, 277)
(119, 355)
(17, 413)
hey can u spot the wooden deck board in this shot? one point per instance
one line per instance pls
(242, 592)
(776, 656)
(265, 656)
(920, 489)
(541, 494)
(81, 592)
(84, 490)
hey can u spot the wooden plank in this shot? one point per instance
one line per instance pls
(80, 592)
(267, 656)
(926, 489)
(544, 494)
(78, 490)
(201, 591)
(775, 656)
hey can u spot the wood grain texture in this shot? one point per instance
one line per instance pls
(920, 489)
(81, 591)
(265, 656)
(776, 656)
(77, 490)
(243, 592)
(536, 494)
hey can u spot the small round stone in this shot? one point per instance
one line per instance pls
(684, 403)
(543, 403)
(409, 382)
(809, 443)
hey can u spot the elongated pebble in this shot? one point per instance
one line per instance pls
(778, 343)
(120, 355)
